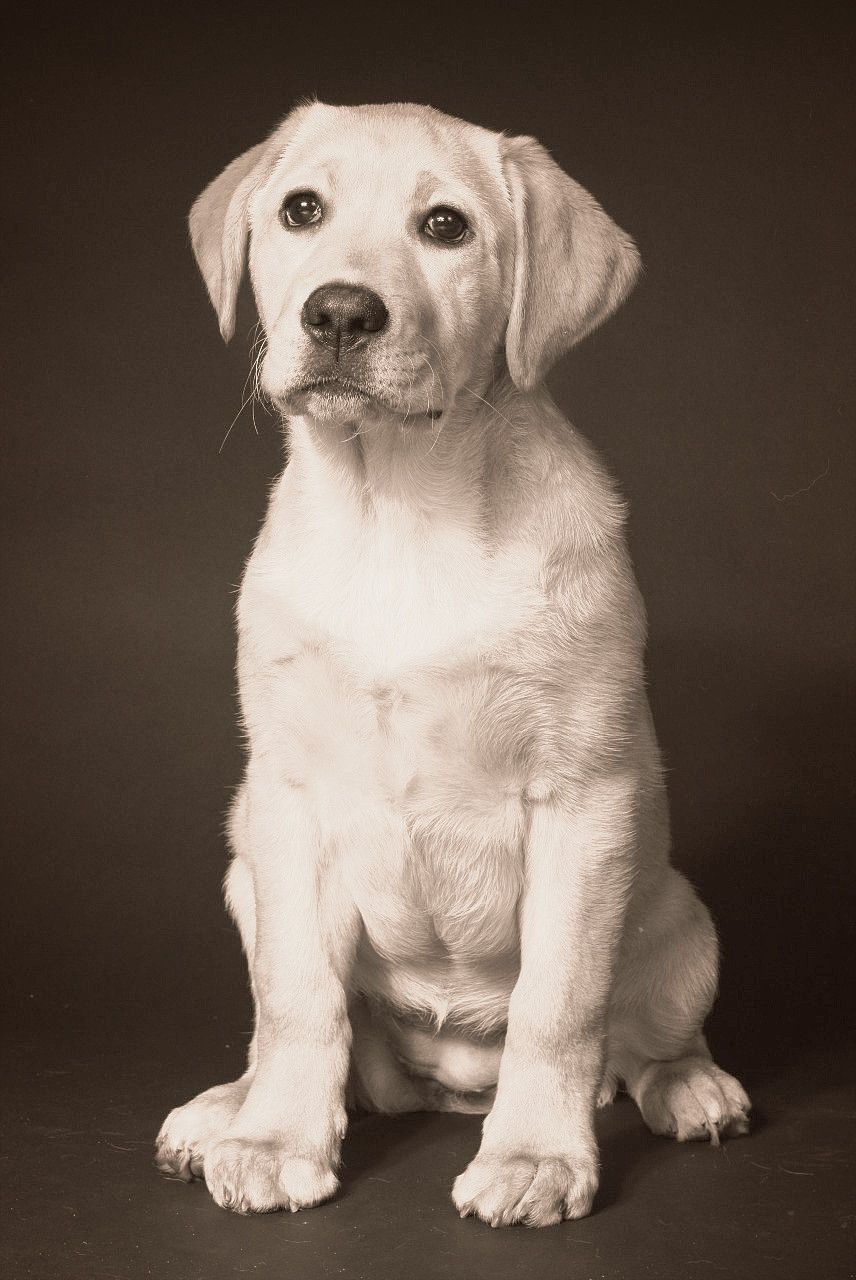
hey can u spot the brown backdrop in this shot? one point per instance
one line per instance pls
(722, 396)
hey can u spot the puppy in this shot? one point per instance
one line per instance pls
(451, 849)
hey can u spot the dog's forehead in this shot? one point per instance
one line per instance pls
(403, 144)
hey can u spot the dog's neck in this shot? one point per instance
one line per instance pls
(420, 470)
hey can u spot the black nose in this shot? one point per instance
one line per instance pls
(343, 316)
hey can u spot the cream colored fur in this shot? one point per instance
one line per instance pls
(451, 845)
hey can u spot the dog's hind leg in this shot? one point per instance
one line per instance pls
(663, 993)
(378, 1081)
(381, 1081)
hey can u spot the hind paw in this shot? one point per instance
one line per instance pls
(692, 1099)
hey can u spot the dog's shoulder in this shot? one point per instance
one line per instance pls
(570, 508)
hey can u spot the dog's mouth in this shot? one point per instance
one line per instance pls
(334, 390)
(337, 388)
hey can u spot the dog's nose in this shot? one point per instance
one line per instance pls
(343, 316)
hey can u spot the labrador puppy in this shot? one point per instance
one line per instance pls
(451, 847)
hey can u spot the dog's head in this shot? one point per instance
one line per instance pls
(396, 254)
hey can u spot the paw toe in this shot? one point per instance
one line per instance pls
(174, 1162)
(190, 1129)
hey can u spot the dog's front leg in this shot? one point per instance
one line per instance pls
(282, 1148)
(538, 1158)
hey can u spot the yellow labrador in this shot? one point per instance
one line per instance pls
(451, 850)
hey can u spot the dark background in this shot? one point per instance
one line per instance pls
(722, 397)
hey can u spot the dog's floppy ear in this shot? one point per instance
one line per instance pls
(572, 267)
(219, 221)
(218, 232)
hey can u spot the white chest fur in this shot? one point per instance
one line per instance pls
(395, 591)
(375, 665)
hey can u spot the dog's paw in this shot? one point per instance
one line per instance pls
(188, 1131)
(518, 1188)
(692, 1099)
(254, 1176)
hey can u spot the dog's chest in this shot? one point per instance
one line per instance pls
(394, 597)
(451, 777)
(397, 710)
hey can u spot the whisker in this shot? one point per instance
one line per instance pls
(428, 389)
(434, 379)
(409, 389)
(425, 338)
(498, 412)
(257, 391)
(250, 373)
(493, 407)
(253, 378)
(431, 367)
(258, 341)
(440, 425)
(234, 420)
(358, 431)
(433, 345)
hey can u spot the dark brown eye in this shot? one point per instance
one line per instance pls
(446, 225)
(301, 209)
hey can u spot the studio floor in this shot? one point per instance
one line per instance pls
(85, 1201)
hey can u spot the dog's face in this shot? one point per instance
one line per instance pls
(381, 256)
(397, 255)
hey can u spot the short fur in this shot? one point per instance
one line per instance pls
(451, 850)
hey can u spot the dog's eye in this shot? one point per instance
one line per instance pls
(445, 224)
(301, 209)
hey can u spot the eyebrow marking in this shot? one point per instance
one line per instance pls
(426, 182)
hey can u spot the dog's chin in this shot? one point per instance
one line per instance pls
(341, 404)
(337, 401)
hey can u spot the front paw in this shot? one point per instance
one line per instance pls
(250, 1175)
(538, 1191)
